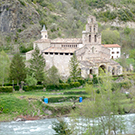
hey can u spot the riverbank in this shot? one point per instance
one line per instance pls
(30, 106)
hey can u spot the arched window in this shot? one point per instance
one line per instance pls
(95, 38)
(94, 28)
(90, 28)
(89, 38)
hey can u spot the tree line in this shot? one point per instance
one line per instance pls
(35, 71)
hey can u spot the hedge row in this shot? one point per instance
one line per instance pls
(16, 88)
(30, 88)
(6, 89)
(63, 99)
(74, 93)
(62, 86)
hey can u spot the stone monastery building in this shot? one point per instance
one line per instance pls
(91, 54)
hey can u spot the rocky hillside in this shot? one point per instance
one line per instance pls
(22, 20)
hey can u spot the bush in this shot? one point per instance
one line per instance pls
(126, 84)
(64, 99)
(6, 89)
(95, 80)
(89, 82)
(30, 88)
(51, 87)
(63, 86)
(16, 88)
(74, 84)
(81, 81)
(116, 86)
(74, 93)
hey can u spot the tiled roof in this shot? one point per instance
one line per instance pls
(67, 40)
(111, 45)
(43, 41)
(60, 49)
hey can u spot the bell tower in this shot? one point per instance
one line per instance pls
(44, 33)
(90, 35)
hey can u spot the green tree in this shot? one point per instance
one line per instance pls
(132, 54)
(61, 127)
(53, 75)
(74, 68)
(37, 65)
(100, 111)
(31, 81)
(110, 37)
(17, 69)
(4, 67)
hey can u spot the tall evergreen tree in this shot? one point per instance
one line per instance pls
(17, 69)
(53, 75)
(4, 67)
(37, 65)
(74, 68)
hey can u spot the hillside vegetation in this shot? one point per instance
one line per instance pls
(22, 20)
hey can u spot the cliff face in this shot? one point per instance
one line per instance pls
(14, 15)
(18, 20)
(21, 20)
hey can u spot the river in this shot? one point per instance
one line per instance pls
(44, 127)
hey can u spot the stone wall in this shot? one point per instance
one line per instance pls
(61, 62)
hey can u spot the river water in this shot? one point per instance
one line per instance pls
(44, 127)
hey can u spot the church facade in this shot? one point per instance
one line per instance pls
(91, 54)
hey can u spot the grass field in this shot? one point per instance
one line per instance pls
(29, 103)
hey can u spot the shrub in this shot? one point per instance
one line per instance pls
(64, 99)
(51, 87)
(116, 86)
(16, 88)
(95, 80)
(74, 93)
(74, 84)
(81, 81)
(31, 81)
(126, 84)
(89, 82)
(63, 86)
(61, 127)
(6, 89)
(9, 84)
(30, 88)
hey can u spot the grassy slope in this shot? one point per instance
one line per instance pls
(19, 103)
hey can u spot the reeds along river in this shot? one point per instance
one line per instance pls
(44, 127)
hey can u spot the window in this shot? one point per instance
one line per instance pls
(112, 52)
(61, 53)
(46, 52)
(94, 28)
(66, 53)
(56, 53)
(71, 53)
(90, 71)
(95, 38)
(51, 53)
(117, 52)
(89, 38)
